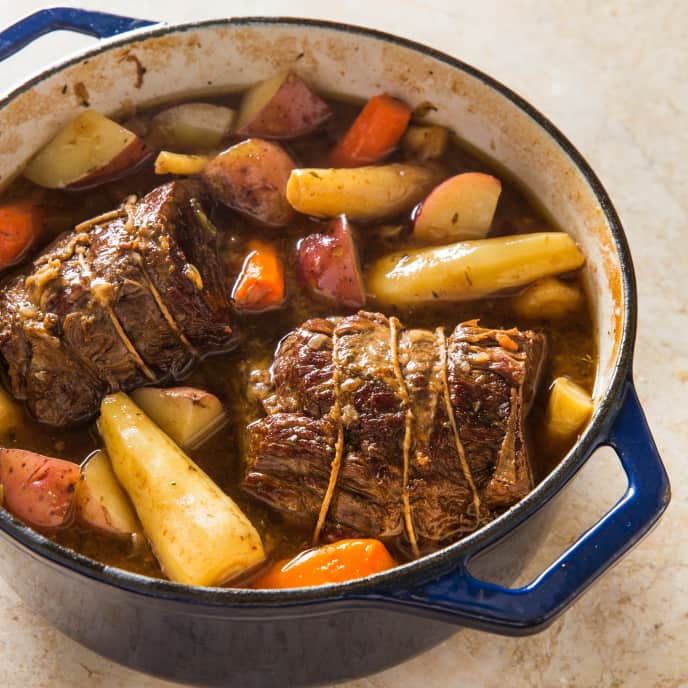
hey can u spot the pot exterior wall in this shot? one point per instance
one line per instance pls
(217, 647)
(247, 648)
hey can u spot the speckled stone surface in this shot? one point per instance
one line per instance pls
(614, 77)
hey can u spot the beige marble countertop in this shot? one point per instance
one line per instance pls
(614, 77)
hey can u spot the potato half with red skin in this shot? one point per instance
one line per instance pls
(283, 108)
(329, 266)
(89, 151)
(188, 415)
(460, 208)
(251, 178)
(101, 503)
(38, 489)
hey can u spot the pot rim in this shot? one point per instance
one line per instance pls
(456, 555)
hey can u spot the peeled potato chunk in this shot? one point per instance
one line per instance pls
(192, 127)
(188, 415)
(548, 298)
(471, 269)
(363, 194)
(198, 534)
(568, 410)
(425, 142)
(100, 501)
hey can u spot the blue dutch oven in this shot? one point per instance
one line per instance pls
(250, 638)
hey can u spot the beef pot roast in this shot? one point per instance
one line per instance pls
(132, 299)
(411, 436)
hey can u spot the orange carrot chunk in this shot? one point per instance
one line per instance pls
(336, 563)
(260, 285)
(374, 134)
(20, 225)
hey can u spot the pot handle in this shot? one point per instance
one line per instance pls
(97, 24)
(458, 597)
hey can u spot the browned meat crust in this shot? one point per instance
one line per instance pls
(432, 426)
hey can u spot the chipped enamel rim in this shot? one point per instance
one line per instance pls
(454, 557)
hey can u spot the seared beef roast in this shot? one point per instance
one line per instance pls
(406, 435)
(132, 298)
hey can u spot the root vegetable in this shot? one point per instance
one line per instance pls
(460, 208)
(197, 532)
(251, 177)
(471, 269)
(89, 151)
(374, 134)
(568, 409)
(282, 107)
(548, 298)
(38, 489)
(260, 284)
(192, 127)
(329, 266)
(180, 163)
(425, 143)
(100, 501)
(335, 563)
(188, 415)
(363, 194)
(21, 224)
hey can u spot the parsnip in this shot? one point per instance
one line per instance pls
(548, 298)
(180, 163)
(471, 269)
(363, 194)
(568, 409)
(197, 532)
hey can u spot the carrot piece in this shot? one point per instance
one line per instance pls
(20, 225)
(374, 134)
(260, 285)
(336, 563)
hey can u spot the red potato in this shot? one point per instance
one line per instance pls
(329, 266)
(191, 127)
(89, 151)
(101, 503)
(37, 489)
(188, 415)
(282, 107)
(251, 177)
(460, 208)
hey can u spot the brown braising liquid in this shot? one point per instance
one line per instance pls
(571, 342)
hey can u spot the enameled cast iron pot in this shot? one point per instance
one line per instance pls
(299, 637)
